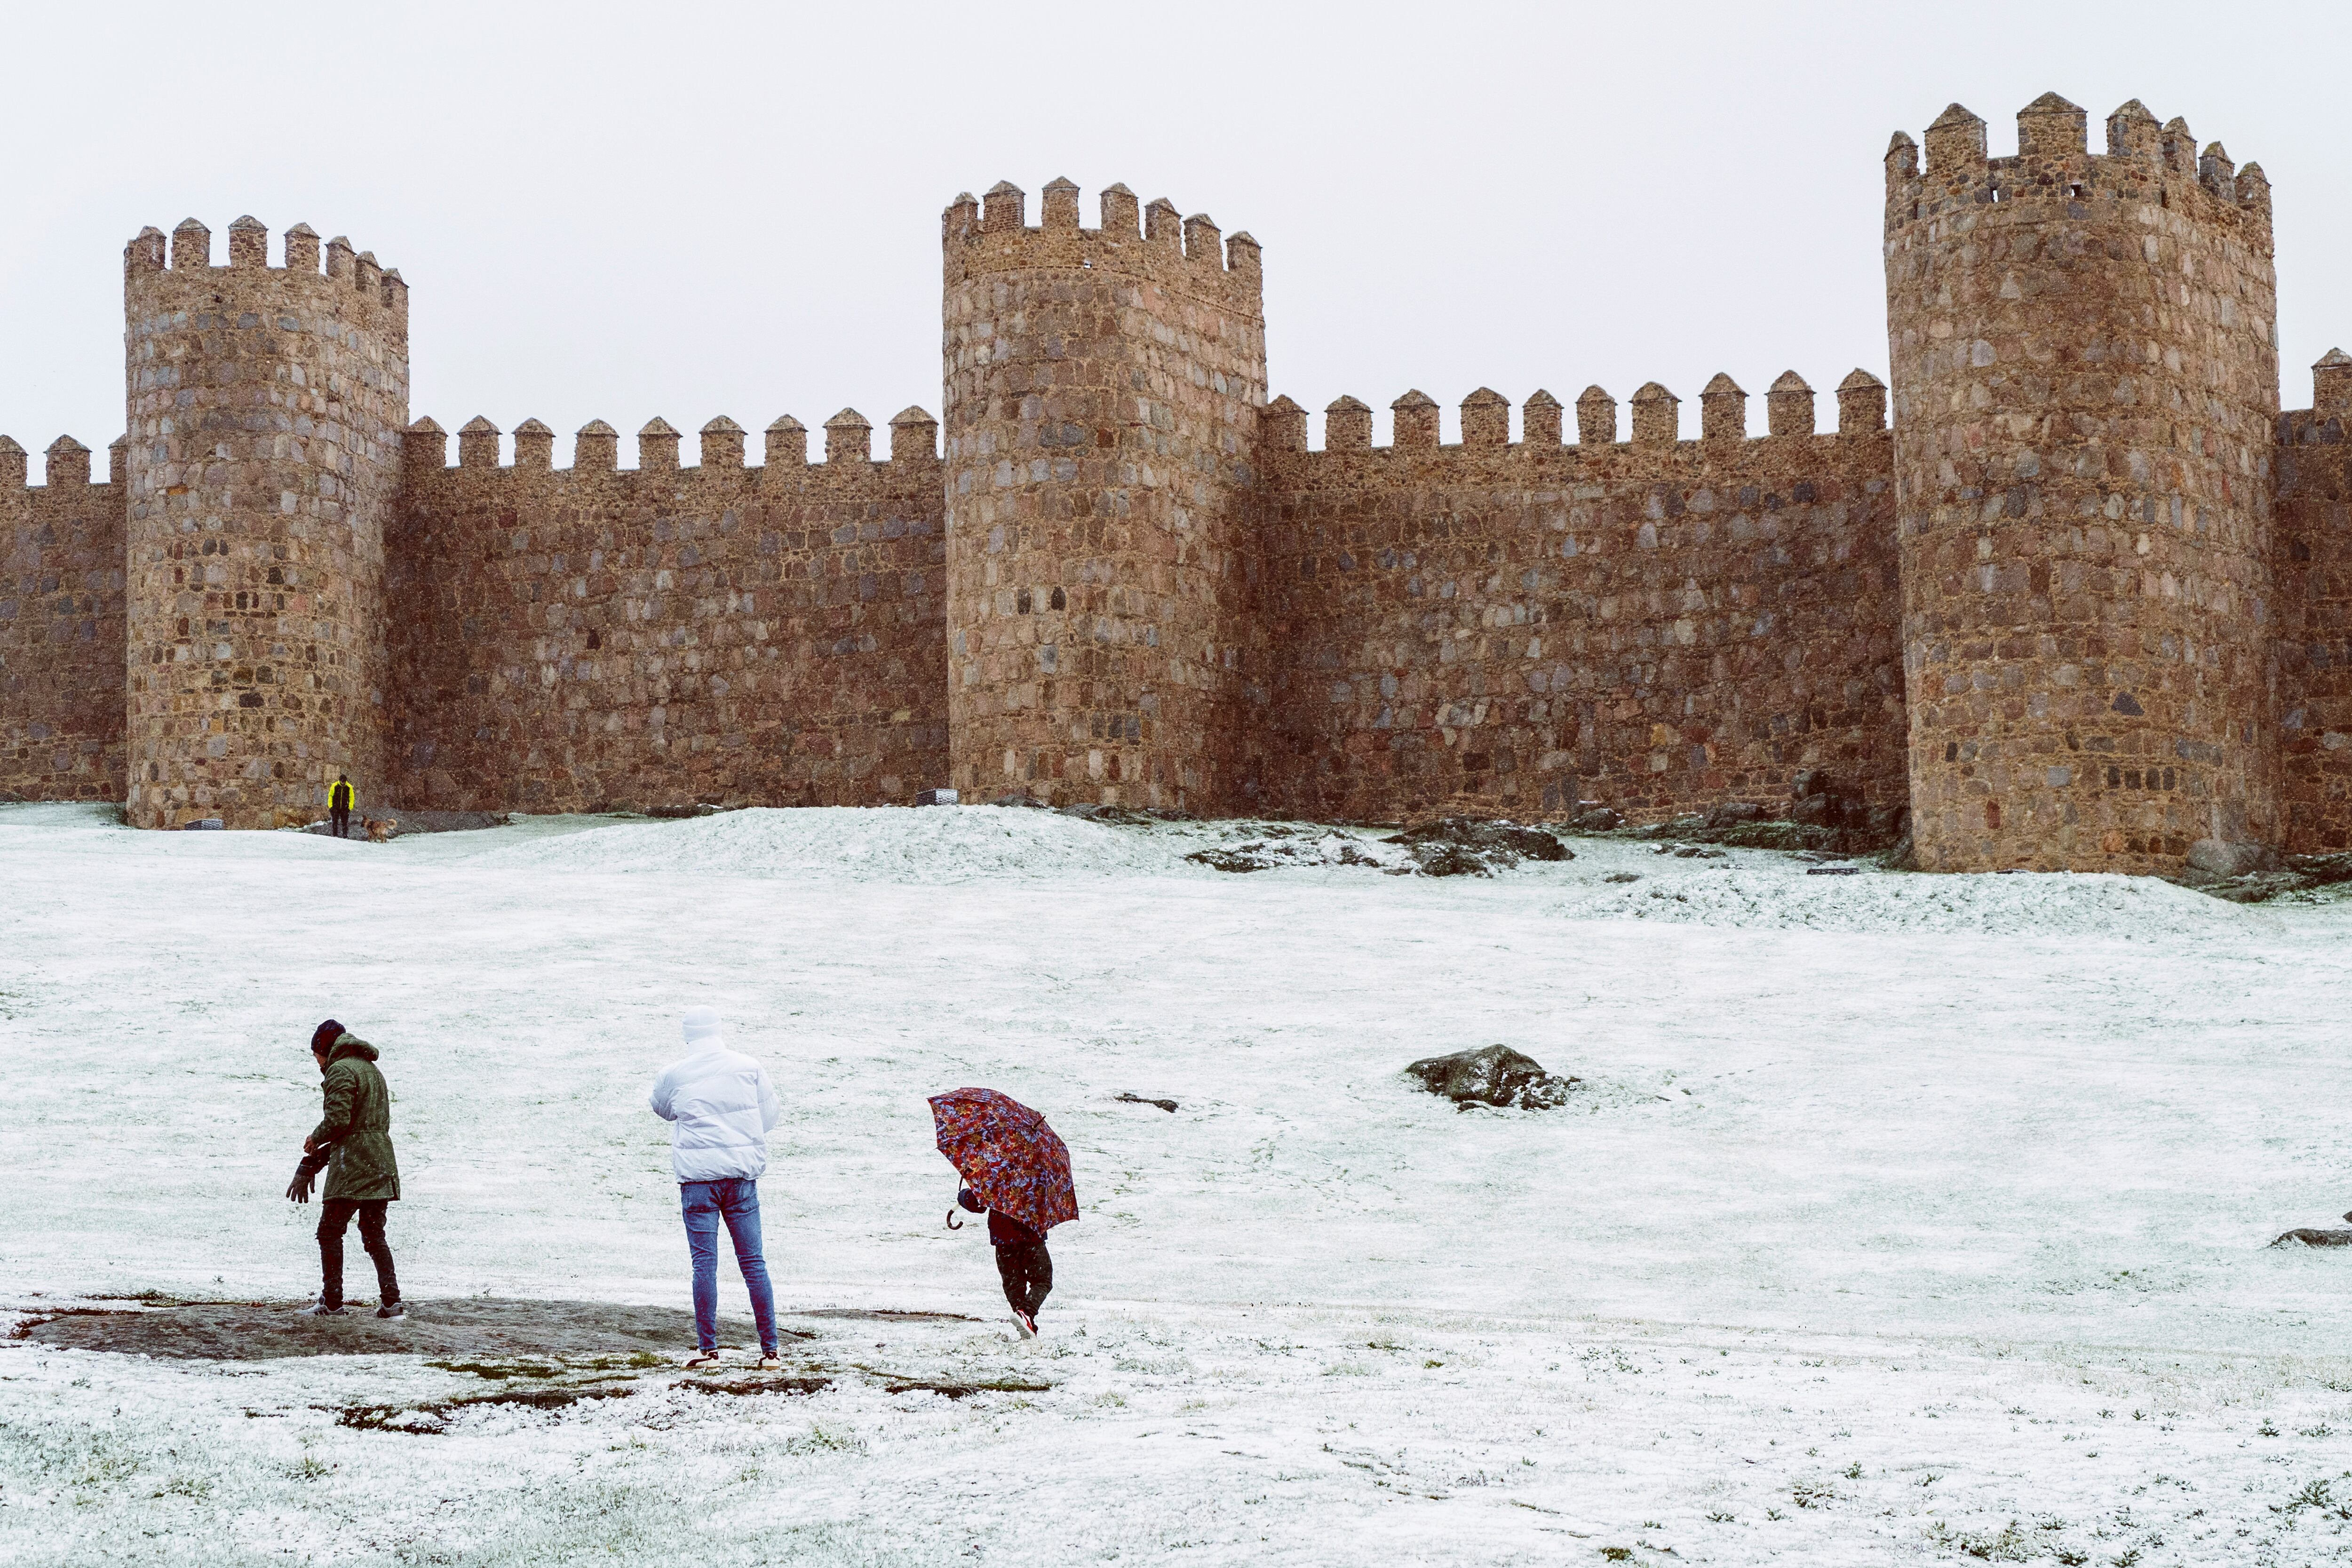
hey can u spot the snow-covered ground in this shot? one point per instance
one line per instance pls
(1904, 1219)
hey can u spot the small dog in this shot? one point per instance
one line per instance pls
(380, 829)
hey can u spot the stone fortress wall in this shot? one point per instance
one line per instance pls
(61, 626)
(2087, 603)
(2312, 568)
(1510, 627)
(594, 637)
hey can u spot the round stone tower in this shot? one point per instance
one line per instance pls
(2085, 376)
(266, 405)
(1103, 393)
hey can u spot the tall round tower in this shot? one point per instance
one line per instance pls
(266, 405)
(2085, 377)
(1103, 393)
(2086, 372)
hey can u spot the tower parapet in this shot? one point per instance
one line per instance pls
(2086, 379)
(1103, 393)
(266, 407)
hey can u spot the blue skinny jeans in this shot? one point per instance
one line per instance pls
(737, 1201)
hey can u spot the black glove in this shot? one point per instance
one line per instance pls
(970, 1201)
(299, 1189)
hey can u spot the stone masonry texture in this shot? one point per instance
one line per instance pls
(61, 606)
(265, 411)
(1506, 629)
(1103, 393)
(594, 639)
(2086, 388)
(2085, 601)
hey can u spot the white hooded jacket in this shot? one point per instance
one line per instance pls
(720, 1104)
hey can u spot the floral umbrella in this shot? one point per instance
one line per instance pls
(1010, 1158)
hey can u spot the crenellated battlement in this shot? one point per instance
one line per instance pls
(65, 466)
(2146, 169)
(1485, 422)
(1152, 242)
(185, 258)
(848, 459)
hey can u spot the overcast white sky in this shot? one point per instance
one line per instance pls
(620, 211)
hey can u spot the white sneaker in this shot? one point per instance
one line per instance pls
(700, 1359)
(1026, 1323)
(768, 1363)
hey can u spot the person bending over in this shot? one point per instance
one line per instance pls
(721, 1107)
(352, 1143)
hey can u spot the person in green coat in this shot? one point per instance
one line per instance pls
(352, 1143)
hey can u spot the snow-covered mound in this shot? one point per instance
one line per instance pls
(880, 844)
(53, 815)
(1775, 895)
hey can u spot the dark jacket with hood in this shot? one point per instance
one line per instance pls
(358, 1123)
(1003, 1230)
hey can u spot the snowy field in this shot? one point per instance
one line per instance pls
(1902, 1219)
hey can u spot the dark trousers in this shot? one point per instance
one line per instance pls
(341, 817)
(1028, 1274)
(334, 1216)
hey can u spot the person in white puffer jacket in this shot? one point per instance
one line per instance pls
(721, 1107)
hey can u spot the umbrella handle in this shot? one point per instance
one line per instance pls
(953, 1223)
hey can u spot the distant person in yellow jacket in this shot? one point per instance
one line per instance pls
(339, 807)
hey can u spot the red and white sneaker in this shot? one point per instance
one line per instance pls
(1026, 1323)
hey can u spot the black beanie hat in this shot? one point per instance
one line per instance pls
(325, 1034)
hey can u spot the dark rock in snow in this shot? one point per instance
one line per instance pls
(2317, 1237)
(1496, 1075)
(1732, 811)
(1271, 847)
(2297, 874)
(483, 1329)
(2257, 888)
(1454, 861)
(1778, 836)
(1598, 819)
(1232, 860)
(1815, 810)
(1116, 815)
(1469, 847)
(1168, 1105)
(2323, 870)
